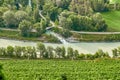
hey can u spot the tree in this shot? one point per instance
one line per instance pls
(10, 51)
(24, 3)
(82, 56)
(34, 54)
(100, 5)
(25, 28)
(1, 2)
(81, 7)
(76, 54)
(41, 48)
(38, 28)
(100, 54)
(24, 52)
(70, 53)
(115, 53)
(29, 11)
(18, 51)
(30, 52)
(9, 3)
(2, 23)
(36, 15)
(3, 52)
(40, 4)
(50, 52)
(89, 57)
(64, 4)
(51, 11)
(9, 19)
(58, 51)
(99, 22)
(43, 25)
(20, 16)
(63, 52)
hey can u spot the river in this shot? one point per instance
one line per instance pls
(82, 47)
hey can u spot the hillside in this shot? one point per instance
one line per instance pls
(112, 18)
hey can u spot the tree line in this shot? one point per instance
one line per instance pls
(43, 52)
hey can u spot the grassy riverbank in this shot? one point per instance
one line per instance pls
(16, 36)
(48, 38)
(97, 37)
(59, 69)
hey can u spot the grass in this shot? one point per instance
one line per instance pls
(15, 35)
(112, 18)
(57, 69)
(97, 37)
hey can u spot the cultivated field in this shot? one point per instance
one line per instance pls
(61, 69)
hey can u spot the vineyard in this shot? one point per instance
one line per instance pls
(61, 69)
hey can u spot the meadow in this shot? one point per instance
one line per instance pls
(112, 19)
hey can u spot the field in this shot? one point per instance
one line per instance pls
(113, 20)
(61, 70)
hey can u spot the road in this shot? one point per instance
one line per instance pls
(9, 29)
(81, 32)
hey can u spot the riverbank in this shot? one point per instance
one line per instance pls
(97, 37)
(14, 35)
(76, 37)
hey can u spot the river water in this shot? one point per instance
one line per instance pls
(82, 47)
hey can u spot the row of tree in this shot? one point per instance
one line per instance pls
(38, 52)
(43, 52)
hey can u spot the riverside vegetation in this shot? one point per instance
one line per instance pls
(43, 52)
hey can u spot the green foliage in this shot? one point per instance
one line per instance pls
(61, 69)
(9, 51)
(36, 15)
(2, 23)
(64, 4)
(1, 2)
(49, 52)
(38, 28)
(1, 74)
(41, 48)
(116, 52)
(19, 16)
(18, 51)
(25, 28)
(75, 22)
(70, 53)
(9, 19)
(52, 11)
